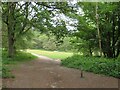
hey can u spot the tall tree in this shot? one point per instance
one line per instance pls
(108, 25)
(20, 17)
(97, 26)
(12, 15)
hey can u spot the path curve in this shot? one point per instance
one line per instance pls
(47, 73)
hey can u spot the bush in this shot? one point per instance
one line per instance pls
(96, 65)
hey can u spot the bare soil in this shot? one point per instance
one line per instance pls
(47, 73)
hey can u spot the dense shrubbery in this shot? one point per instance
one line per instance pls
(7, 62)
(110, 67)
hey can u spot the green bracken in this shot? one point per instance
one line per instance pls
(109, 67)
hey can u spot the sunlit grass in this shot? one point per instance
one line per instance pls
(51, 54)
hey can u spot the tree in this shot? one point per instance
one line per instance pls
(21, 17)
(97, 26)
(17, 24)
(108, 26)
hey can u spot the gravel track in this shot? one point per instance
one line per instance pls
(47, 73)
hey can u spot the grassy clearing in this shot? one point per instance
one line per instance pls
(8, 63)
(52, 54)
(109, 67)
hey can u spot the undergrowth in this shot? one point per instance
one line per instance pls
(109, 67)
(9, 63)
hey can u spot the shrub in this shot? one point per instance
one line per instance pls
(109, 67)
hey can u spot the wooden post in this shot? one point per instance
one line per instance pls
(81, 74)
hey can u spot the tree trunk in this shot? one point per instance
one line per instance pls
(90, 51)
(118, 49)
(97, 25)
(11, 28)
(10, 44)
(113, 36)
(109, 49)
(118, 44)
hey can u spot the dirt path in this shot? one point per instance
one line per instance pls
(46, 73)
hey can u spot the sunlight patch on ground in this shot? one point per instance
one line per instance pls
(51, 54)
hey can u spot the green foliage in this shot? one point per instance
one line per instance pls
(96, 65)
(87, 36)
(6, 73)
(86, 47)
(24, 41)
(49, 42)
(20, 18)
(8, 63)
(42, 41)
(4, 36)
(20, 56)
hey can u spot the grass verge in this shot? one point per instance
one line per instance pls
(9, 63)
(52, 54)
(109, 67)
